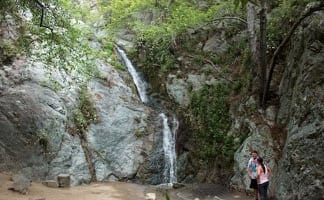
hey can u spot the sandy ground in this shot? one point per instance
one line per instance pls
(95, 191)
(117, 191)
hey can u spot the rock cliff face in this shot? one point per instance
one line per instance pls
(36, 114)
(301, 171)
(34, 138)
(295, 150)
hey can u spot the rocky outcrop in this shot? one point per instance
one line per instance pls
(300, 171)
(20, 184)
(117, 139)
(36, 112)
(35, 116)
(294, 151)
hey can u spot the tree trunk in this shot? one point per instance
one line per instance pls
(170, 2)
(158, 3)
(263, 49)
(253, 38)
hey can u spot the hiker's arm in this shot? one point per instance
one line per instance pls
(249, 170)
(259, 172)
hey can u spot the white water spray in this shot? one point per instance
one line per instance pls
(169, 138)
(140, 84)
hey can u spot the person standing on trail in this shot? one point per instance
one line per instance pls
(263, 173)
(252, 172)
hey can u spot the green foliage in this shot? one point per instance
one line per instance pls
(285, 15)
(85, 113)
(116, 63)
(52, 84)
(8, 51)
(62, 39)
(209, 117)
(237, 3)
(158, 38)
(139, 133)
(120, 14)
(167, 196)
(43, 140)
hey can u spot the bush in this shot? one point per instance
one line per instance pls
(210, 121)
(85, 113)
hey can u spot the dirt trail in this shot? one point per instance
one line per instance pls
(117, 191)
(95, 191)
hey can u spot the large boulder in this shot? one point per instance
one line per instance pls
(35, 116)
(259, 139)
(117, 139)
(20, 184)
(297, 125)
(301, 168)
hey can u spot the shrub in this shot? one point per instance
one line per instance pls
(85, 113)
(210, 121)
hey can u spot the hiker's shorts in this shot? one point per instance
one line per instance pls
(254, 184)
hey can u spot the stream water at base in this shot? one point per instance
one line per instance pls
(169, 129)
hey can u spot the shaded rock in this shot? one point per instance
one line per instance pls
(177, 89)
(260, 140)
(177, 185)
(50, 183)
(70, 159)
(196, 81)
(216, 44)
(20, 184)
(63, 180)
(301, 108)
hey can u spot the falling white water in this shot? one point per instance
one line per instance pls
(169, 134)
(140, 84)
(169, 137)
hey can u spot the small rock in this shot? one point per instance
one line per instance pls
(20, 184)
(50, 183)
(177, 185)
(196, 199)
(63, 180)
(150, 196)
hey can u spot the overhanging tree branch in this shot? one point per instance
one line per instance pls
(316, 6)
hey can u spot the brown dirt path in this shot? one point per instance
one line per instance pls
(209, 192)
(118, 191)
(95, 191)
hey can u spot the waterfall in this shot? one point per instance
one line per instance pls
(169, 134)
(140, 83)
(169, 137)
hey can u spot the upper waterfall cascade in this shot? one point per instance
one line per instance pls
(141, 85)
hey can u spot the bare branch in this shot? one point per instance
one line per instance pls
(235, 18)
(43, 9)
(316, 6)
